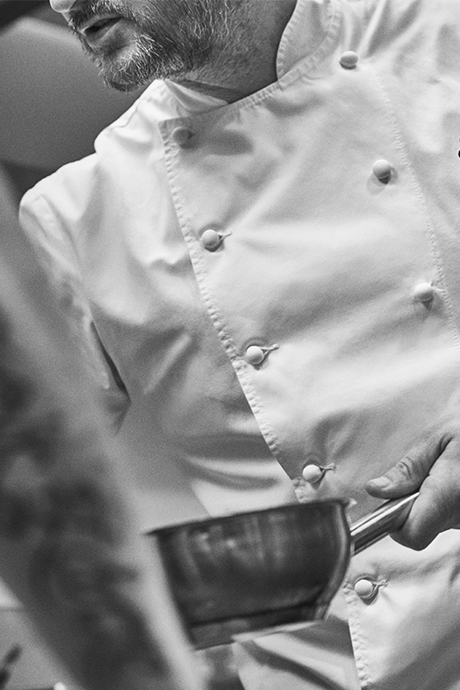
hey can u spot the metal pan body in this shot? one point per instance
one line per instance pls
(252, 571)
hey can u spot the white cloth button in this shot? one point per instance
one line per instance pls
(424, 292)
(255, 355)
(211, 240)
(349, 59)
(365, 589)
(312, 474)
(382, 169)
(181, 135)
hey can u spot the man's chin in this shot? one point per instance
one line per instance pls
(121, 78)
(121, 85)
(131, 67)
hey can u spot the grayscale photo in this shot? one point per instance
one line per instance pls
(230, 344)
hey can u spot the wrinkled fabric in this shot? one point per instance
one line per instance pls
(319, 264)
(315, 658)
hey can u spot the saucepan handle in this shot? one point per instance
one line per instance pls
(386, 519)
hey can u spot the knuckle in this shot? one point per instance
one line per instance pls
(407, 469)
(433, 444)
(446, 438)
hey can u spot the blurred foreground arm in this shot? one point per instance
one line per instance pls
(69, 547)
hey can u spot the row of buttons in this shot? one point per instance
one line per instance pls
(365, 588)
(255, 355)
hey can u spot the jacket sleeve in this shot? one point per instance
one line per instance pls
(57, 256)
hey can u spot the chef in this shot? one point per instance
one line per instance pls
(263, 252)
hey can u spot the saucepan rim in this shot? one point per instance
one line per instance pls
(229, 517)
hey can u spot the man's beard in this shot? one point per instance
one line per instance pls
(173, 39)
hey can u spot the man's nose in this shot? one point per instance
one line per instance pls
(62, 6)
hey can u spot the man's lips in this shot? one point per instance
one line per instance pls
(96, 22)
(96, 28)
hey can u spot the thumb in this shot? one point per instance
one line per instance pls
(409, 473)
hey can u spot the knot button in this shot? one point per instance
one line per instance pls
(211, 240)
(365, 589)
(181, 135)
(312, 474)
(382, 169)
(255, 355)
(424, 292)
(349, 59)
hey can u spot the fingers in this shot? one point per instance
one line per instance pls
(433, 466)
(434, 511)
(409, 473)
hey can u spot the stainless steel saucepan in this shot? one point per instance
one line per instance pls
(268, 568)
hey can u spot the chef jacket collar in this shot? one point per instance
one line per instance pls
(303, 34)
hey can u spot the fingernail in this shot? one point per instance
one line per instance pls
(380, 482)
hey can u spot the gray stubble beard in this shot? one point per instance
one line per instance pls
(189, 36)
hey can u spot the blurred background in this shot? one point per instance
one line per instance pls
(52, 106)
(52, 103)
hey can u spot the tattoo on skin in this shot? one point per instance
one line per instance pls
(70, 529)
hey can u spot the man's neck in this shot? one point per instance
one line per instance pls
(249, 63)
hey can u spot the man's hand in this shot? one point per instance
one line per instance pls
(433, 466)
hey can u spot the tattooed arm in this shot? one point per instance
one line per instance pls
(69, 547)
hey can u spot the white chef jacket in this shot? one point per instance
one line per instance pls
(277, 279)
